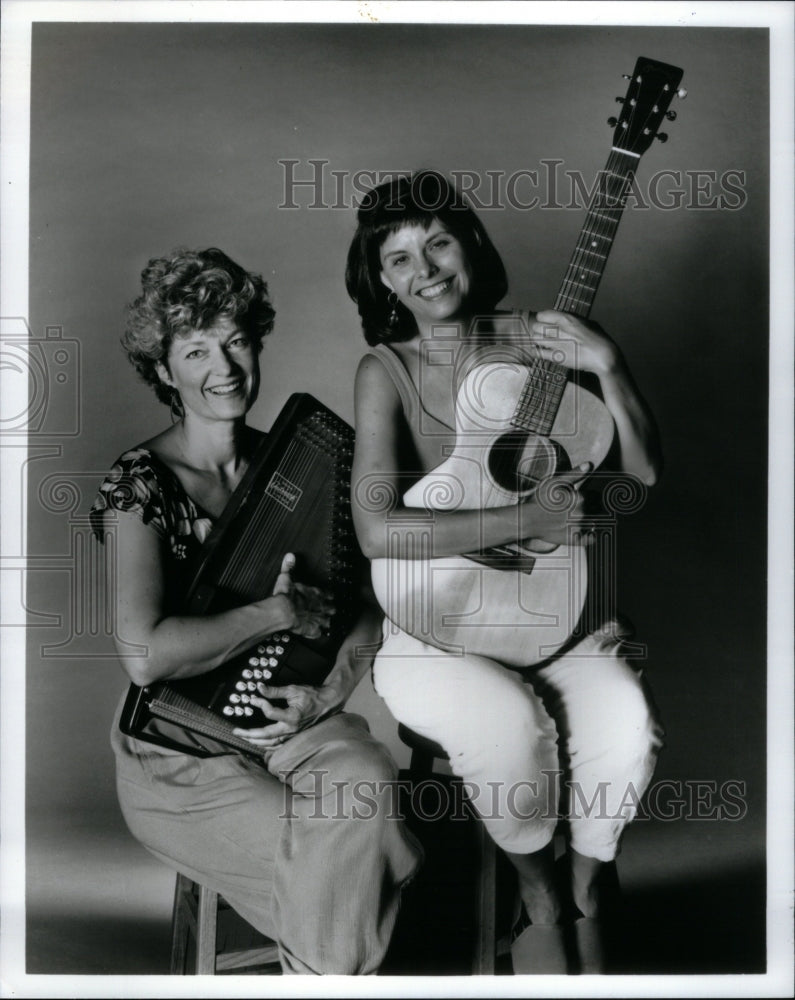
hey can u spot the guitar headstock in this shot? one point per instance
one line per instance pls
(651, 89)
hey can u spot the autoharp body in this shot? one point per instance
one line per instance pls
(294, 497)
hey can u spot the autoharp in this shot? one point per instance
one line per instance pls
(294, 497)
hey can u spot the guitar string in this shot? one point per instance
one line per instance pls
(603, 233)
(600, 226)
(577, 294)
(573, 292)
(540, 406)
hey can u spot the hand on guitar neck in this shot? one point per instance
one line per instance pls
(583, 346)
(574, 343)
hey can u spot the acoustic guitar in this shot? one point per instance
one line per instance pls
(516, 425)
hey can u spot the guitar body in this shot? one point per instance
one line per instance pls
(517, 603)
(490, 450)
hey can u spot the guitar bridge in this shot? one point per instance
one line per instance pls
(511, 557)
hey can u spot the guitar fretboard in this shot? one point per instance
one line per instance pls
(546, 381)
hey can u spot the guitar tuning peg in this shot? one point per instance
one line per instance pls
(670, 115)
(620, 100)
(626, 76)
(681, 93)
(662, 136)
(612, 121)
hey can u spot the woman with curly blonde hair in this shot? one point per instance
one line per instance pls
(281, 842)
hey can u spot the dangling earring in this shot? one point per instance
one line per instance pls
(394, 319)
(177, 409)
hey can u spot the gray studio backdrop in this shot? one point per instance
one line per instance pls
(145, 137)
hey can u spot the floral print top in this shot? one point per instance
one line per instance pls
(141, 484)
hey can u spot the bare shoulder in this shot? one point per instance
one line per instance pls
(372, 376)
(162, 444)
(370, 363)
(376, 397)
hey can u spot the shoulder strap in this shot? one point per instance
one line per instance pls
(401, 379)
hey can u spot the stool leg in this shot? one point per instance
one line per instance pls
(180, 925)
(485, 943)
(421, 762)
(206, 925)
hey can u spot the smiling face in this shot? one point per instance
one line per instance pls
(429, 272)
(215, 371)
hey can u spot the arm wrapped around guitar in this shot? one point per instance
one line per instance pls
(294, 497)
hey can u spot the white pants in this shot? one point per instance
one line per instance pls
(583, 726)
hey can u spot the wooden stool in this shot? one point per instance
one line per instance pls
(423, 754)
(205, 927)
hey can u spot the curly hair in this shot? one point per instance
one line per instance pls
(415, 199)
(190, 290)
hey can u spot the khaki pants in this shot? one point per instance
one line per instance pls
(310, 851)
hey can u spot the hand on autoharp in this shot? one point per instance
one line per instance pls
(311, 607)
(300, 707)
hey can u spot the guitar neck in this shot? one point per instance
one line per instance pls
(546, 381)
(587, 264)
(652, 86)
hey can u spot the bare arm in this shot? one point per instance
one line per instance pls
(186, 645)
(377, 486)
(588, 348)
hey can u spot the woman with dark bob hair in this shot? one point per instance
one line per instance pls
(427, 281)
(281, 842)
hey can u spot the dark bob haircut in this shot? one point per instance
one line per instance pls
(416, 199)
(191, 290)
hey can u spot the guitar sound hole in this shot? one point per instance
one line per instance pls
(519, 461)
